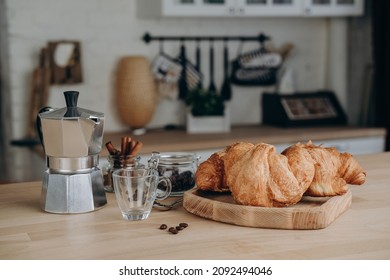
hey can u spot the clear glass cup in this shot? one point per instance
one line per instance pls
(136, 189)
(116, 162)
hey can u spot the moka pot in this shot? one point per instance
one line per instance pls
(72, 140)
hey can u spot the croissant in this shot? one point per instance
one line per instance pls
(210, 174)
(332, 170)
(256, 175)
(261, 177)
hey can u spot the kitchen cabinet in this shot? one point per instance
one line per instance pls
(253, 8)
(231, 8)
(333, 7)
(354, 146)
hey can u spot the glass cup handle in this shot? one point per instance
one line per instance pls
(154, 160)
(168, 189)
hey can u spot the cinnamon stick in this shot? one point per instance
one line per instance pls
(129, 147)
(137, 147)
(132, 144)
(111, 149)
(124, 145)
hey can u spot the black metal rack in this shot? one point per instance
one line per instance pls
(182, 83)
(147, 38)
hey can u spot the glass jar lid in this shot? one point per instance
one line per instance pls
(177, 158)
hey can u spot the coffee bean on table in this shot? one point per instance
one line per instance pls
(163, 226)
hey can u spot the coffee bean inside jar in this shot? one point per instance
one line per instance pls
(180, 168)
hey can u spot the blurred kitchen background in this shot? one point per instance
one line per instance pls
(332, 50)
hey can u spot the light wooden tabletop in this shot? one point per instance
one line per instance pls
(26, 232)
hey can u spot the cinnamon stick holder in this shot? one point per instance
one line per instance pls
(115, 162)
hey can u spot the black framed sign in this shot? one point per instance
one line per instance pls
(299, 109)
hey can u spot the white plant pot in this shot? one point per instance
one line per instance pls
(208, 124)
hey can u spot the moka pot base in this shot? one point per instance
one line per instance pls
(73, 193)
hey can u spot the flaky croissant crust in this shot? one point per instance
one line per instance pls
(332, 170)
(256, 175)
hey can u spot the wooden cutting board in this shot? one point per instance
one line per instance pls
(309, 213)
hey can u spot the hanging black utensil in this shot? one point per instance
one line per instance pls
(183, 86)
(226, 89)
(198, 62)
(212, 87)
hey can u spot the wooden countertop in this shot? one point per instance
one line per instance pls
(179, 140)
(26, 232)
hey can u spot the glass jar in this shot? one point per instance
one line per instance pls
(116, 162)
(180, 168)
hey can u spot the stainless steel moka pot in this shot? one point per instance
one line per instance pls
(72, 140)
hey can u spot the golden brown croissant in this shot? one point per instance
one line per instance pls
(333, 170)
(210, 174)
(261, 177)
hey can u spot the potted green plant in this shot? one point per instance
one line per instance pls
(207, 112)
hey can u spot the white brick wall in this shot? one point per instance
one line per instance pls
(111, 29)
